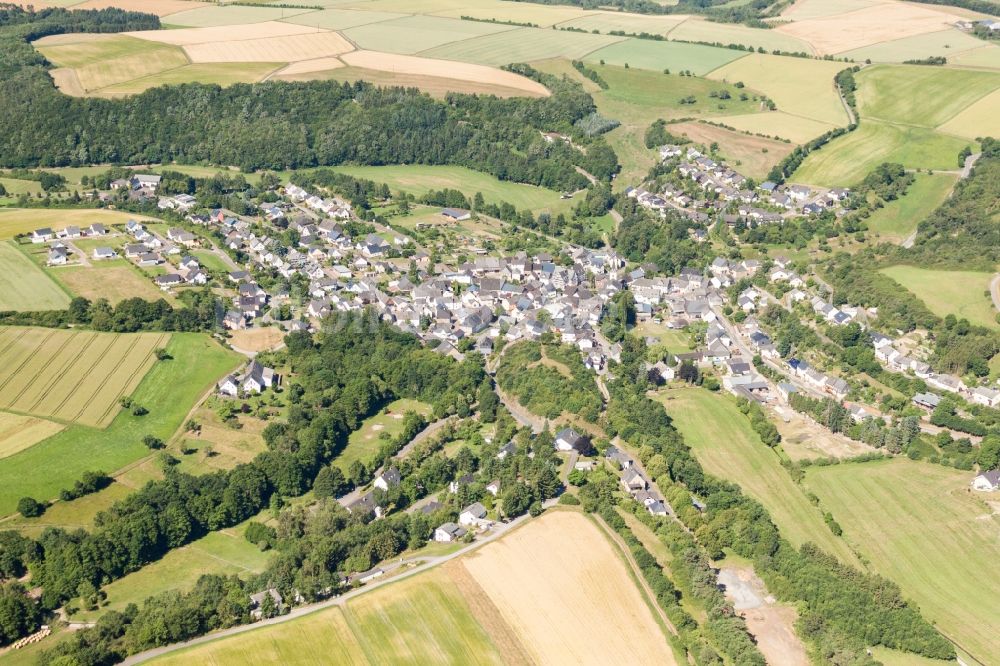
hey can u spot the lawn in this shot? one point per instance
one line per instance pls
(419, 179)
(72, 376)
(211, 261)
(169, 391)
(724, 443)
(25, 286)
(961, 293)
(798, 86)
(15, 221)
(847, 159)
(521, 45)
(898, 219)
(657, 56)
(915, 95)
(920, 525)
(412, 34)
(678, 342)
(419, 620)
(364, 442)
(113, 279)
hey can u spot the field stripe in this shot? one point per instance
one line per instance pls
(54, 382)
(17, 370)
(74, 390)
(135, 371)
(103, 380)
(41, 380)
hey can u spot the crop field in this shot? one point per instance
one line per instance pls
(753, 156)
(19, 432)
(776, 123)
(563, 589)
(500, 10)
(289, 48)
(14, 221)
(699, 30)
(605, 22)
(657, 56)
(870, 25)
(224, 33)
(521, 45)
(419, 179)
(947, 43)
(419, 33)
(114, 280)
(169, 391)
(207, 17)
(803, 10)
(961, 293)
(340, 19)
(845, 160)
(977, 120)
(364, 442)
(925, 96)
(723, 441)
(920, 525)
(220, 73)
(798, 86)
(158, 7)
(986, 56)
(25, 286)
(898, 219)
(73, 376)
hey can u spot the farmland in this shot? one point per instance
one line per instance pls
(898, 219)
(113, 280)
(700, 30)
(978, 119)
(918, 524)
(752, 155)
(364, 442)
(419, 33)
(222, 74)
(724, 443)
(778, 124)
(72, 376)
(521, 45)
(19, 432)
(947, 43)
(961, 293)
(657, 56)
(169, 391)
(24, 286)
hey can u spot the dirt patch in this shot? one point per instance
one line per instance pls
(802, 438)
(488, 615)
(770, 623)
(257, 339)
(881, 23)
(67, 81)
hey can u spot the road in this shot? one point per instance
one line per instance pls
(498, 530)
(995, 291)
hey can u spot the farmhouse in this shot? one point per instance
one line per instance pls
(987, 481)
(259, 377)
(257, 601)
(474, 514)
(449, 532)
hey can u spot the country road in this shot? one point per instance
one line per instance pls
(995, 291)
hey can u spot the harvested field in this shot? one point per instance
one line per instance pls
(257, 339)
(987, 57)
(751, 155)
(158, 7)
(803, 439)
(219, 73)
(19, 432)
(925, 96)
(97, 63)
(920, 525)
(699, 30)
(871, 25)
(435, 86)
(271, 49)
(566, 593)
(657, 56)
(340, 19)
(607, 21)
(798, 86)
(947, 43)
(225, 15)
(500, 10)
(113, 280)
(803, 10)
(847, 159)
(300, 71)
(189, 36)
(776, 123)
(72, 375)
(24, 286)
(14, 221)
(416, 66)
(412, 34)
(521, 45)
(979, 119)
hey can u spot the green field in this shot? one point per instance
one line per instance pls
(412, 34)
(205, 17)
(847, 159)
(24, 286)
(211, 261)
(700, 30)
(112, 59)
(725, 444)
(798, 86)
(915, 95)
(169, 391)
(947, 43)
(419, 179)
(365, 442)
(920, 525)
(500, 10)
(521, 45)
(339, 19)
(987, 56)
(14, 221)
(977, 120)
(15, 187)
(657, 56)
(77, 514)
(898, 219)
(961, 293)
(420, 620)
(779, 124)
(218, 73)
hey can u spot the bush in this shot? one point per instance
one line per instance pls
(569, 500)
(29, 507)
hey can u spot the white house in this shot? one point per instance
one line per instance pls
(387, 479)
(570, 440)
(987, 481)
(474, 514)
(104, 253)
(449, 532)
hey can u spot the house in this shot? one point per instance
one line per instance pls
(493, 488)
(619, 457)
(570, 440)
(58, 256)
(928, 401)
(259, 377)
(42, 235)
(986, 396)
(69, 232)
(456, 214)
(165, 282)
(507, 449)
(449, 532)
(229, 385)
(474, 514)
(104, 253)
(987, 481)
(657, 508)
(389, 478)
(96, 229)
(146, 181)
(632, 480)
(257, 600)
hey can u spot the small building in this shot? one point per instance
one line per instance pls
(257, 601)
(42, 235)
(474, 514)
(388, 479)
(987, 481)
(449, 532)
(493, 488)
(259, 377)
(104, 253)
(569, 439)
(58, 256)
(456, 214)
(632, 480)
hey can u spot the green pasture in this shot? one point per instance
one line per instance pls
(961, 293)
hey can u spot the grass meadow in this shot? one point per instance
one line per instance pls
(25, 286)
(365, 442)
(947, 43)
(218, 73)
(724, 442)
(898, 219)
(521, 45)
(412, 34)
(16, 221)
(961, 293)
(753, 156)
(657, 56)
(112, 59)
(796, 129)
(113, 279)
(699, 30)
(921, 525)
(169, 391)
(978, 119)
